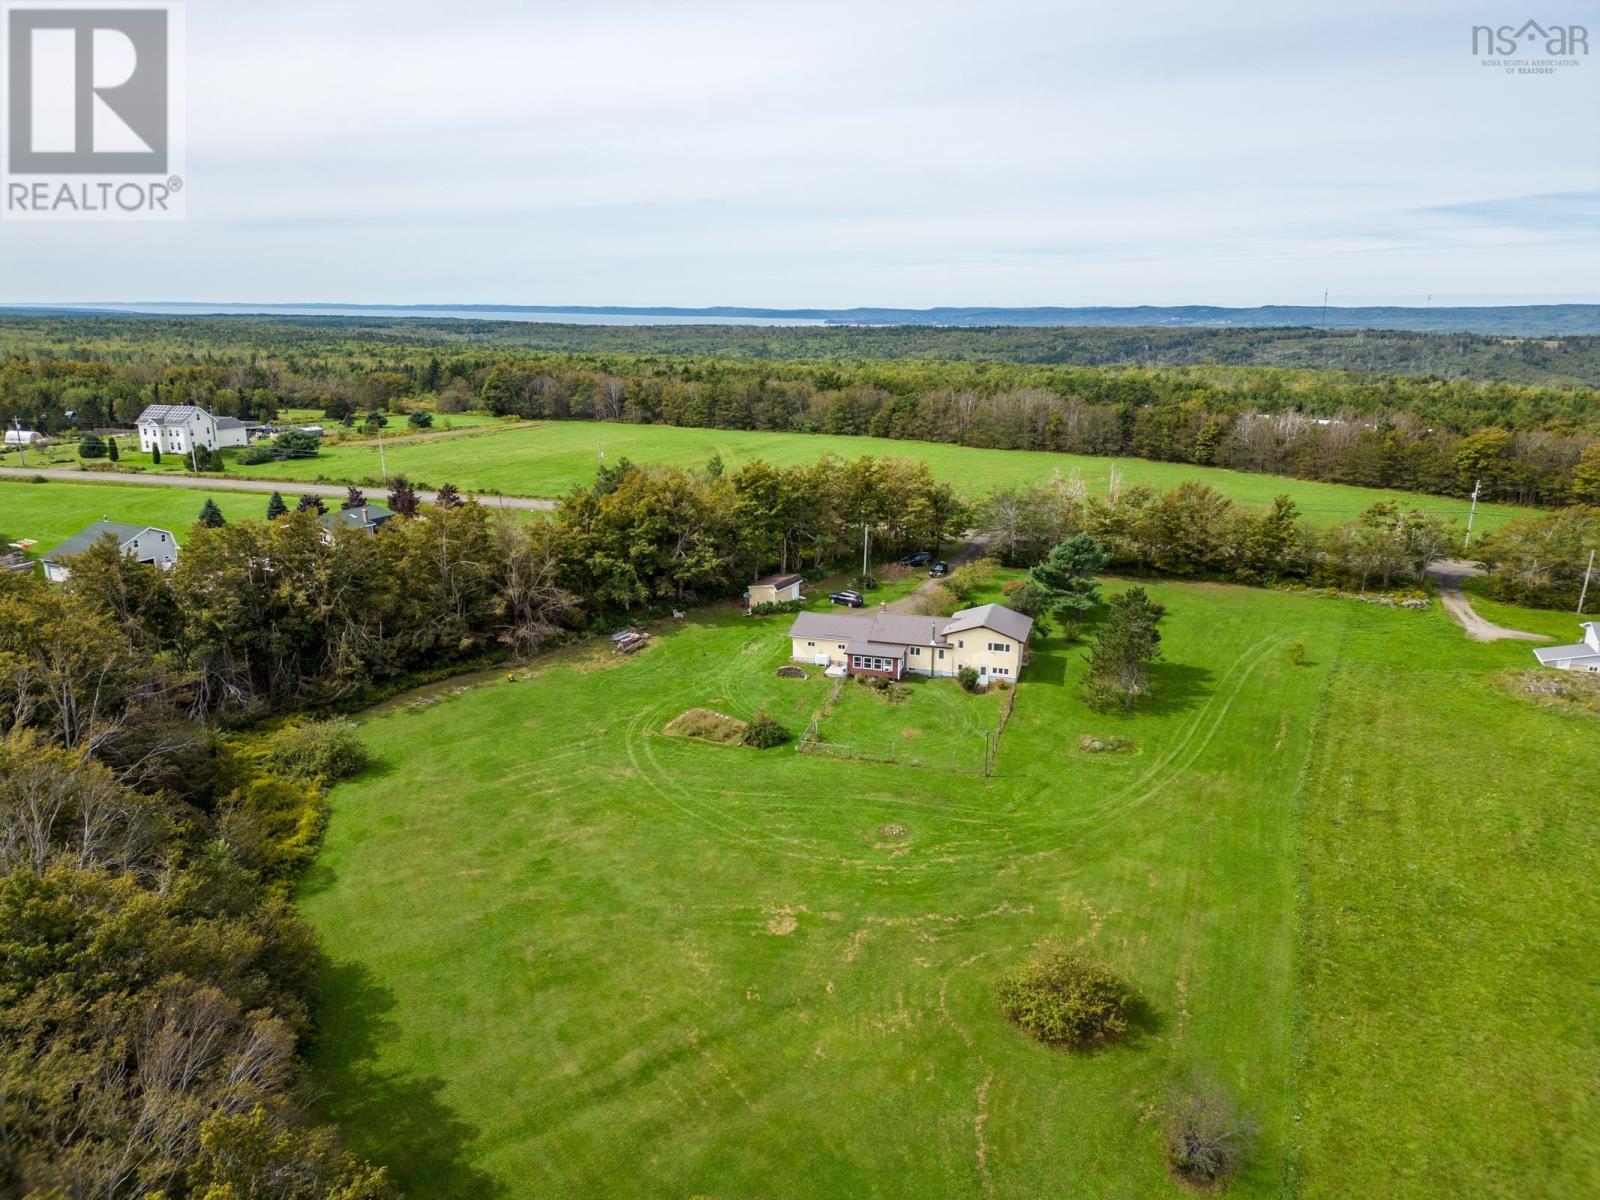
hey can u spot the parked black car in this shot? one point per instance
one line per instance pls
(916, 560)
(849, 599)
(939, 570)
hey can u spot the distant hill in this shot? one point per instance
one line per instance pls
(1527, 320)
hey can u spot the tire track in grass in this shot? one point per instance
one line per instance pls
(1176, 759)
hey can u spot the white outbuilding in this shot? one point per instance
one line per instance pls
(1581, 656)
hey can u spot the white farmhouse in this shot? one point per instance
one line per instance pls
(179, 428)
(145, 543)
(991, 639)
(1583, 656)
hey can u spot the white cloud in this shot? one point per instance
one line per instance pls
(839, 153)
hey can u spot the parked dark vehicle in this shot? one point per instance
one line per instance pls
(849, 599)
(915, 560)
(939, 570)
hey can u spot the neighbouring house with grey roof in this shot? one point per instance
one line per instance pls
(1581, 656)
(368, 518)
(144, 543)
(179, 428)
(991, 639)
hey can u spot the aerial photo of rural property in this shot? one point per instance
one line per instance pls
(869, 601)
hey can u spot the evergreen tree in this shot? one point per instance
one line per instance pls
(448, 497)
(155, 456)
(112, 452)
(276, 507)
(1125, 646)
(211, 516)
(354, 497)
(311, 504)
(1067, 576)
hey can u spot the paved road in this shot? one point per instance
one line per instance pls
(1448, 573)
(209, 483)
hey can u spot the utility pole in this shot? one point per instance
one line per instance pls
(1584, 594)
(383, 464)
(22, 449)
(865, 561)
(1477, 485)
(1324, 310)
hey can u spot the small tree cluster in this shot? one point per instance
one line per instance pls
(763, 733)
(1128, 642)
(1064, 582)
(1064, 998)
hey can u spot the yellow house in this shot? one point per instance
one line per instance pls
(991, 639)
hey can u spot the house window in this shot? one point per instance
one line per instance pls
(1000, 647)
(941, 655)
(841, 645)
(811, 645)
(960, 645)
(915, 650)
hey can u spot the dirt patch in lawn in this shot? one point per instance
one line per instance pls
(1564, 691)
(708, 726)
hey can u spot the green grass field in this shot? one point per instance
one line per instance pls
(550, 458)
(50, 513)
(575, 957)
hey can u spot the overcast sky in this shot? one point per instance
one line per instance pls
(858, 152)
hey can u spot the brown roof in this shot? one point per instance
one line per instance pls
(778, 581)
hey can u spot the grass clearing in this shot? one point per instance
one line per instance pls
(550, 458)
(925, 723)
(50, 513)
(558, 933)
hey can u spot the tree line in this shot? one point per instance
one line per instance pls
(1523, 443)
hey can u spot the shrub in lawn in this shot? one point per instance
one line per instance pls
(257, 453)
(968, 678)
(1297, 654)
(91, 446)
(1064, 998)
(772, 608)
(937, 601)
(764, 733)
(317, 751)
(1205, 1137)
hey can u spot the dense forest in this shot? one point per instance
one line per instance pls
(1568, 360)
